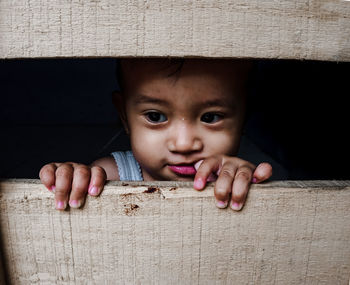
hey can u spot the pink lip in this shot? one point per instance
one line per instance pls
(183, 169)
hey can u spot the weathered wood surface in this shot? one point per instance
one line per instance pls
(288, 233)
(300, 29)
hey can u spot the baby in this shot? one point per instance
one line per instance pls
(184, 119)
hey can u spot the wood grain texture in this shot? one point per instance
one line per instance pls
(288, 233)
(297, 29)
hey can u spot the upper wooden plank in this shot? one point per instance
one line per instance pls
(293, 29)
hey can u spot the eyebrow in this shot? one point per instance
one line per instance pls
(214, 103)
(143, 99)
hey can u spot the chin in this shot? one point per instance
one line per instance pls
(183, 178)
(170, 176)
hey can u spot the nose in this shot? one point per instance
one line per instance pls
(184, 139)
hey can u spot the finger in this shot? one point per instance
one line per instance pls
(262, 172)
(98, 179)
(241, 186)
(212, 177)
(81, 180)
(47, 176)
(205, 168)
(64, 177)
(223, 185)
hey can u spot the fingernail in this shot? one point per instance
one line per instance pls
(237, 206)
(60, 205)
(221, 204)
(93, 190)
(198, 183)
(53, 188)
(198, 164)
(254, 180)
(74, 204)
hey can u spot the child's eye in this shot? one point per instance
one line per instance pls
(211, 118)
(155, 117)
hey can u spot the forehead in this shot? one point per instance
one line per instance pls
(198, 84)
(143, 71)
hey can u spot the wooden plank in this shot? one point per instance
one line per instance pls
(167, 233)
(307, 29)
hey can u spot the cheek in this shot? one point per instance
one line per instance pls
(145, 140)
(146, 145)
(224, 143)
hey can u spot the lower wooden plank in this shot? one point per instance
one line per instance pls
(167, 233)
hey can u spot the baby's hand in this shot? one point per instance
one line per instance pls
(70, 182)
(234, 177)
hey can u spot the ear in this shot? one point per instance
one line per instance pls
(119, 103)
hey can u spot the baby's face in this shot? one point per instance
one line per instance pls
(175, 121)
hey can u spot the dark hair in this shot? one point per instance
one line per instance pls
(178, 63)
(118, 74)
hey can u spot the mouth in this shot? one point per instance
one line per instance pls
(184, 170)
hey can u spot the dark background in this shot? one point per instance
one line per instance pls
(61, 110)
